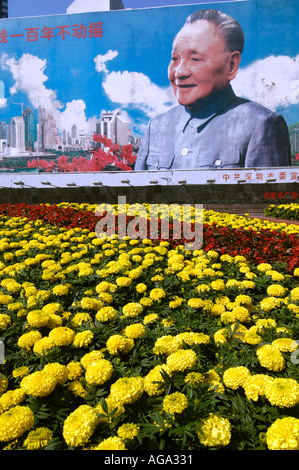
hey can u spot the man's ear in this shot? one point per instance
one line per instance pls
(235, 60)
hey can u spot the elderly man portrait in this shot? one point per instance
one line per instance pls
(211, 127)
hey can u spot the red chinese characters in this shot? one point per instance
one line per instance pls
(78, 31)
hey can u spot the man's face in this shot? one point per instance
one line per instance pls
(200, 63)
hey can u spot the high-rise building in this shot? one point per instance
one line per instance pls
(3, 8)
(113, 126)
(48, 137)
(17, 133)
(30, 129)
(3, 126)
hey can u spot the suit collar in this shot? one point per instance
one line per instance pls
(209, 107)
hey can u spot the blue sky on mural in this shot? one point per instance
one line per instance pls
(55, 64)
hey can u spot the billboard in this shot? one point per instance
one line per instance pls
(164, 95)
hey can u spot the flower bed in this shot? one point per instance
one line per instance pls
(283, 211)
(141, 344)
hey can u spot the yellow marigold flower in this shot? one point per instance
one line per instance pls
(88, 303)
(38, 318)
(276, 290)
(283, 434)
(195, 303)
(239, 313)
(167, 322)
(79, 426)
(276, 276)
(232, 283)
(243, 299)
(111, 443)
(175, 403)
(5, 299)
(181, 360)
(127, 390)
(59, 371)
(157, 294)
(106, 314)
(221, 335)
(263, 267)
(262, 323)
(283, 392)
(91, 357)
(218, 310)
(77, 388)
(42, 345)
(193, 338)
(285, 344)
(38, 384)
(295, 294)
(132, 309)
(12, 398)
(15, 422)
(83, 339)
(216, 431)
(104, 286)
(202, 288)
(112, 404)
(141, 288)
(98, 372)
(270, 303)
(62, 336)
(74, 370)
(255, 386)
(251, 337)
(20, 371)
(60, 290)
(128, 431)
(177, 302)
(167, 344)
(134, 331)
(150, 318)
(119, 344)
(80, 318)
(270, 358)
(38, 439)
(123, 281)
(151, 387)
(194, 378)
(212, 254)
(5, 321)
(234, 377)
(218, 284)
(146, 302)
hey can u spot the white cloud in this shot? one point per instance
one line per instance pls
(136, 89)
(29, 76)
(74, 113)
(100, 60)
(28, 73)
(272, 82)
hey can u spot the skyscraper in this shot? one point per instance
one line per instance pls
(48, 137)
(30, 128)
(113, 126)
(17, 133)
(3, 8)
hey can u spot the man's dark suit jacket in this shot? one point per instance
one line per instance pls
(226, 132)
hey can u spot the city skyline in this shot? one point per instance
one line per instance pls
(80, 65)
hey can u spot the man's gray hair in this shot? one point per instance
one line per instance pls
(228, 27)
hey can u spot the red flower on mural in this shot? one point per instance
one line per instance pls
(109, 155)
